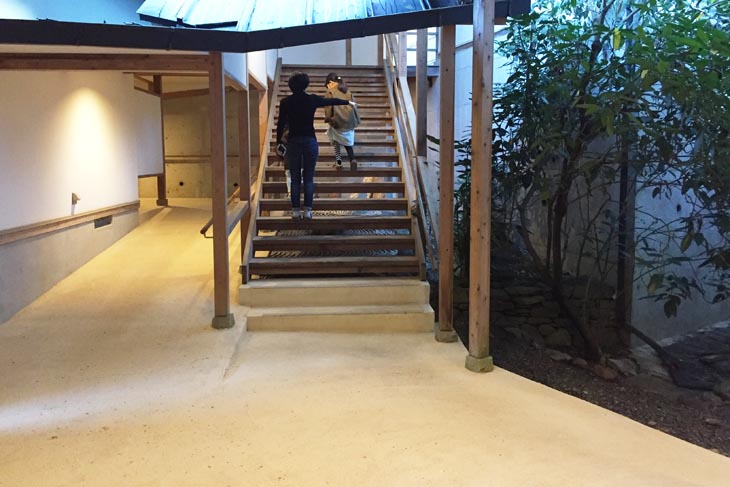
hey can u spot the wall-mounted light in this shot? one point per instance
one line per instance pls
(74, 198)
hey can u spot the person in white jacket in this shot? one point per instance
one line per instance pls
(342, 119)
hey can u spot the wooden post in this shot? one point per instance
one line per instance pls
(244, 160)
(348, 52)
(421, 90)
(162, 177)
(445, 332)
(479, 359)
(403, 55)
(380, 49)
(223, 317)
(263, 120)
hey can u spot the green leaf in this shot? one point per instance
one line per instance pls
(655, 283)
(686, 241)
(590, 108)
(616, 39)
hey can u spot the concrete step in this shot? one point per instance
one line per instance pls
(411, 318)
(271, 293)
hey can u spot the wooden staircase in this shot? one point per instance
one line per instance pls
(362, 223)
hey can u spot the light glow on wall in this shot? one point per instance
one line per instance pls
(67, 132)
(86, 143)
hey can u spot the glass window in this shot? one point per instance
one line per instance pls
(432, 45)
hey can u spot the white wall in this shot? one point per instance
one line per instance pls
(463, 88)
(235, 65)
(272, 57)
(90, 11)
(89, 133)
(648, 315)
(326, 53)
(364, 53)
(257, 66)
(148, 133)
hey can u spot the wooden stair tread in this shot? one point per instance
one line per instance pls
(364, 119)
(344, 204)
(369, 95)
(313, 261)
(322, 139)
(335, 242)
(330, 158)
(361, 130)
(344, 172)
(335, 223)
(323, 70)
(333, 265)
(340, 187)
(364, 154)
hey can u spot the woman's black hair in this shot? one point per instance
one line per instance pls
(298, 82)
(337, 79)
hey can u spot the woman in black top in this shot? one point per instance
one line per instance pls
(297, 113)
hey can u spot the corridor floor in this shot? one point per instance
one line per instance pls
(115, 378)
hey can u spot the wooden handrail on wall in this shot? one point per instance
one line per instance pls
(49, 226)
(248, 252)
(403, 113)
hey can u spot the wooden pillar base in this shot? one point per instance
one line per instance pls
(162, 202)
(446, 336)
(223, 322)
(485, 364)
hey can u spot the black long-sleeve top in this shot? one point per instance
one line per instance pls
(297, 112)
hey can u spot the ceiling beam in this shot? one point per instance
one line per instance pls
(46, 32)
(157, 63)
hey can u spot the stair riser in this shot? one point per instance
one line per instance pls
(353, 323)
(334, 295)
(343, 270)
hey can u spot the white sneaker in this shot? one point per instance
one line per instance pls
(296, 214)
(307, 213)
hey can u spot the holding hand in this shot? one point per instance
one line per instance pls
(281, 149)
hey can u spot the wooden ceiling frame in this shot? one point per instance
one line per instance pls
(149, 63)
(48, 32)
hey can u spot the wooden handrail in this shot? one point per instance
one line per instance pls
(235, 215)
(399, 99)
(209, 223)
(248, 252)
(36, 229)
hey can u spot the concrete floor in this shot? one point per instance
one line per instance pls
(114, 377)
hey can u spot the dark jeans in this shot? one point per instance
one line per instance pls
(301, 156)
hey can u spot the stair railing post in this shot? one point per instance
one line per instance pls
(447, 65)
(223, 317)
(479, 359)
(244, 161)
(421, 90)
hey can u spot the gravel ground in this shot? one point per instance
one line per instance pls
(698, 417)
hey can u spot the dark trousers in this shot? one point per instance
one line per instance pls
(301, 156)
